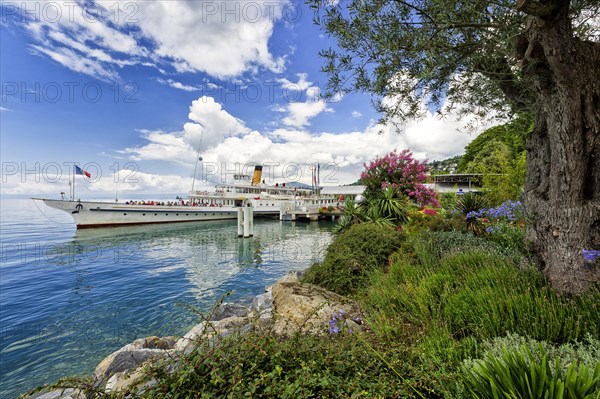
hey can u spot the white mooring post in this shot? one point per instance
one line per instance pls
(240, 220)
(251, 222)
(248, 215)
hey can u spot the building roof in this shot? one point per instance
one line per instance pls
(345, 190)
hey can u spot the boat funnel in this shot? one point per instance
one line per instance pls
(257, 175)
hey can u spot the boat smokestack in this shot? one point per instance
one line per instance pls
(257, 175)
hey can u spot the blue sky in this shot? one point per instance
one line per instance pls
(131, 89)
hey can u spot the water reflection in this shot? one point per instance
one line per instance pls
(70, 297)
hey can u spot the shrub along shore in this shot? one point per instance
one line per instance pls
(445, 313)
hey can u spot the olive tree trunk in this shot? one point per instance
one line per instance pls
(562, 189)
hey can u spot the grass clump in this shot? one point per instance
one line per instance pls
(353, 256)
(584, 352)
(526, 373)
(447, 292)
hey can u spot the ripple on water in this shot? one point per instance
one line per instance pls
(70, 297)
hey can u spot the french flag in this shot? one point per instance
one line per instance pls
(79, 171)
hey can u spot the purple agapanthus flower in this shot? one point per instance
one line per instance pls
(590, 255)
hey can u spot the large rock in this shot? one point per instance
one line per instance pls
(307, 308)
(126, 380)
(66, 393)
(261, 305)
(227, 310)
(209, 330)
(293, 276)
(134, 354)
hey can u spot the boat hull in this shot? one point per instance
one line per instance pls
(89, 214)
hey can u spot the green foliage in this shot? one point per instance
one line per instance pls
(353, 256)
(343, 223)
(499, 154)
(493, 158)
(388, 204)
(432, 246)
(264, 366)
(448, 201)
(522, 374)
(512, 136)
(442, 221)
(509, 236)
(445, 166)
(383, 208)
(468, 203)
(585, 352)
(447, 291)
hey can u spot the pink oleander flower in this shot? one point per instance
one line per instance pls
(430, 212)
(401, 171)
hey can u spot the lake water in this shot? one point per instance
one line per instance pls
(68, 298)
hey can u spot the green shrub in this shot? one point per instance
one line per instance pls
(508, 236)
(525, 374)
(483, 294)
(266, 366)
(584, 352)
(432, 245)
(469, 203)
(352, 256)
(448, 200)
(441, 221)
(447, 292)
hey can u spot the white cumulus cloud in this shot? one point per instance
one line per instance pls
(223, 39)
(288, 153)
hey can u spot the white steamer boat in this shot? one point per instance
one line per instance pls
(199, 206)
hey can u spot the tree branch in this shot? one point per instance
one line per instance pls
(539, 8)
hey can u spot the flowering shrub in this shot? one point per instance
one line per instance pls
(340, 320)
(400, 171)
(434, 220)
(510, 211)
(429, 212)
(503, 225)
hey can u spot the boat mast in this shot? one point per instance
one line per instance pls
(198, 159)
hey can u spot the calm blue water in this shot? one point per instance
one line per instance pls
(69, 297)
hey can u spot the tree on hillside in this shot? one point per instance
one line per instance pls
(538, 56)
(513, 134)
(499, 154)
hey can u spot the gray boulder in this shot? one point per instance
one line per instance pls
(307, 308)
(227, 310)
(133, 355)
(66, 393)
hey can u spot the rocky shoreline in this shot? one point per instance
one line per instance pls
(287, 307)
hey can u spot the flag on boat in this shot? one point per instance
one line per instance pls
(79, 171)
